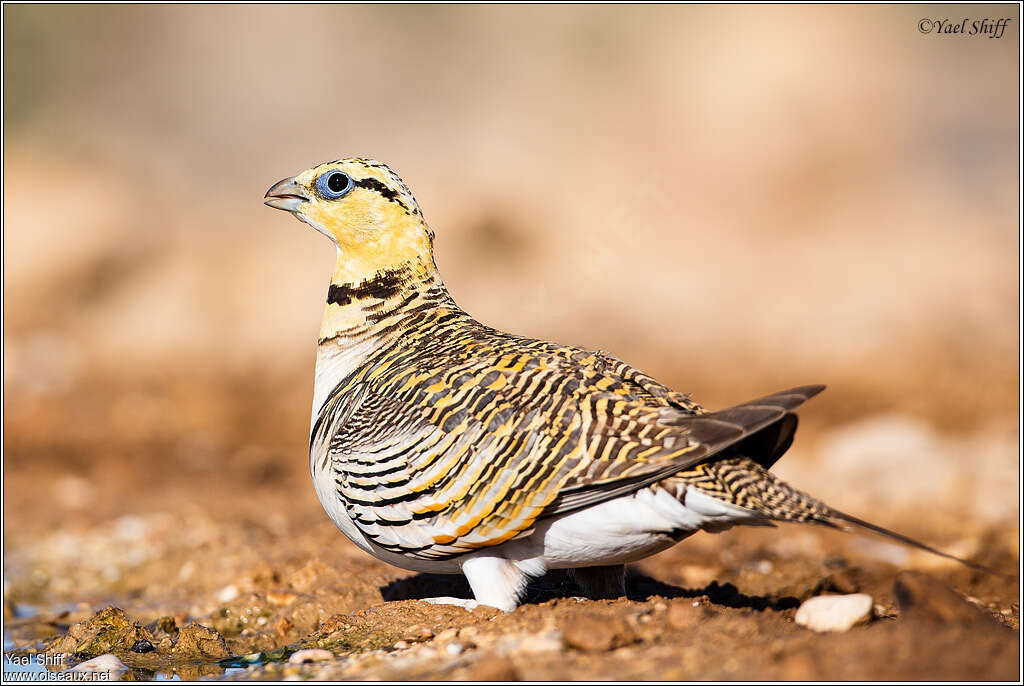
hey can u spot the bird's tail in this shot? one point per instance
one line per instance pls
(744, 483)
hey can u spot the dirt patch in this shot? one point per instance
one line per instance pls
(241, 615)
(185, 555)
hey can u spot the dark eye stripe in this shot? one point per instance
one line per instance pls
(372, 184)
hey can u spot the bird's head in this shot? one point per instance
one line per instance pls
(365, 208)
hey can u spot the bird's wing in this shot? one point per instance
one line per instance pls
(435, 463)
(761, 429)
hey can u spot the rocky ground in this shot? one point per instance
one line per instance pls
(223, 565)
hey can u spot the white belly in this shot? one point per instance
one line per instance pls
(625, 529)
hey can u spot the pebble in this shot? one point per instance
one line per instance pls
(301, 657)
(835, 612)
(454, 649)
(108, 663)
(227, 594)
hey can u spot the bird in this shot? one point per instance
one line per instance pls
(439, 444)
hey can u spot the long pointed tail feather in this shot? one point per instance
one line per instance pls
(743, 482)
(848, 522)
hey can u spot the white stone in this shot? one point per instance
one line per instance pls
(301, 657)
(104, 663)
(835, 612)
(227, 594)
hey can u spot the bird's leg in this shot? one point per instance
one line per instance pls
(601, 582)
(495, 581)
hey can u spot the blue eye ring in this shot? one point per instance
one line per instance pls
(334, 184)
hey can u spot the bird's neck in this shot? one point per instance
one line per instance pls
(367, 313)
(362, 304)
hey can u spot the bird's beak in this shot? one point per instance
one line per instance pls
(286, 195)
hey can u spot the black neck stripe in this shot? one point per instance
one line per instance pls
(380, 287)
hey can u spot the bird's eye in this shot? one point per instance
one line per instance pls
(333, 185)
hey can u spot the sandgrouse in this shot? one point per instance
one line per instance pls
(439, 444)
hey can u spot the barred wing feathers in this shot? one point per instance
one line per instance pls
(436, 459)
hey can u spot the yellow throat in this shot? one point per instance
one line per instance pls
(384, 246)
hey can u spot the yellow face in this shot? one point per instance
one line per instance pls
(365, 208)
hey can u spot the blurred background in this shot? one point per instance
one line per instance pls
(734, 199)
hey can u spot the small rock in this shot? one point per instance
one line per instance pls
(142, 646)
(198, 641)
(454, 649)
(309, 655)
(227, 594)
(597, 634)
(921, 597)
(108, 664)
(108, 631)
(401, 645)
(835, 612)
